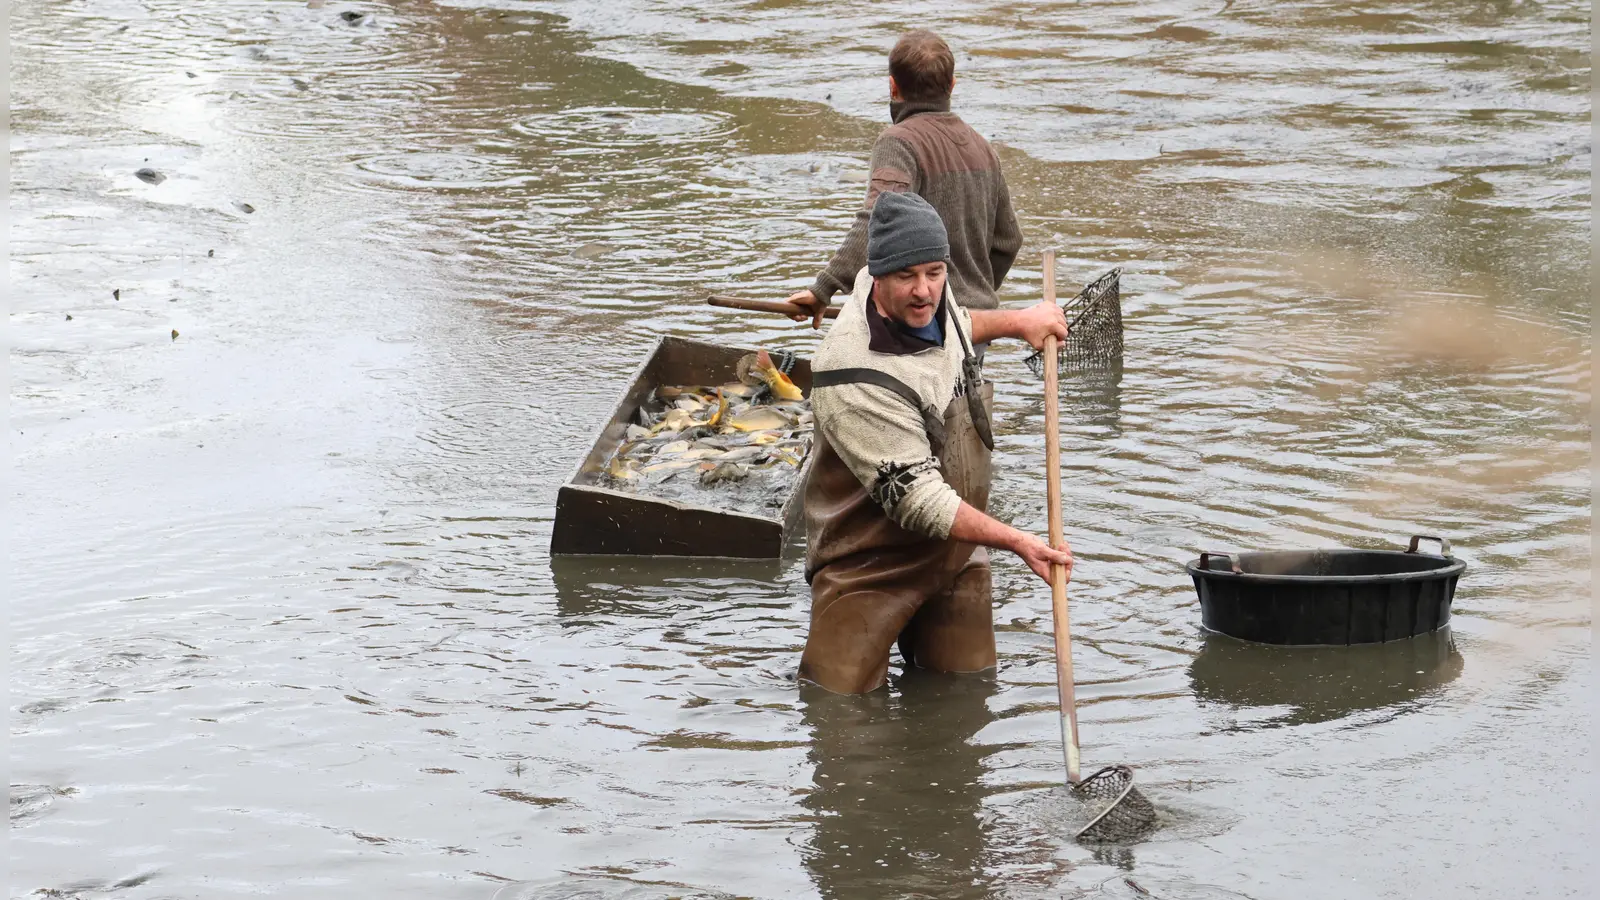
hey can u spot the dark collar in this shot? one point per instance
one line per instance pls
(900, 110)
(889, 336)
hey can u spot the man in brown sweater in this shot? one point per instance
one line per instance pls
(930, 151)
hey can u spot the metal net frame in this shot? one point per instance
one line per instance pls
(1094, 323)
(1121, 813)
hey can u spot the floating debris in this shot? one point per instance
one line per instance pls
(243, 207)
(69, 317)
(174, 334)
(116, 293)
(149, 176)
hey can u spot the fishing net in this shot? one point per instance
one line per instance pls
(1120, 812)
(1094, 328)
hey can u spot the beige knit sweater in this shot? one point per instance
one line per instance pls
(875, 431)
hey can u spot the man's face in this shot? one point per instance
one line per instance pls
(910, 296)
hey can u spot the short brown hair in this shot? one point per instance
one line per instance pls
(923, 66)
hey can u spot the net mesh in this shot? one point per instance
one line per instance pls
(1120, 812)
(1094, 337)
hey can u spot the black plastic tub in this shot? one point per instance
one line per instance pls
(1327, 597)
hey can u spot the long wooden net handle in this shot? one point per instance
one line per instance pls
(1058, 574)
(782, 307)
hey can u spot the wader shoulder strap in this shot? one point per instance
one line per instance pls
(932, 422)
(972, 374)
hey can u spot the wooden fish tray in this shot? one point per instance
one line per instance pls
(594, 519)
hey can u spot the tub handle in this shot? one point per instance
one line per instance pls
(1444, 543)
(1205, 561)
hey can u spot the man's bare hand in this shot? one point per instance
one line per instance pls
(1040, 557)
(1040, 321)
(815, 308)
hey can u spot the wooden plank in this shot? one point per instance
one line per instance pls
(594, 520)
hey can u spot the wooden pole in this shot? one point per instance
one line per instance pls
(1058, 574)
(782, 307)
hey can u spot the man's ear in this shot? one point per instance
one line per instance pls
(952, 84)
(894, 89)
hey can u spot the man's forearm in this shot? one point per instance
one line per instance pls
(974, 527)
(989, 324)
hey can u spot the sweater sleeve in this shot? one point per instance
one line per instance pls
(1007, 239)
(880, 438)
(893, 168)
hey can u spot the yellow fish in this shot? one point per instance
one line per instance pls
(761, 369)
(674, 420)
(722, 410)
(759, 418)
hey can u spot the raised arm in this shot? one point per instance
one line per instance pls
(1033, 324)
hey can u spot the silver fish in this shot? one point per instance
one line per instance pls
(728, 471)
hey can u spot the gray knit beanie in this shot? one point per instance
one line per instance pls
(904, 231)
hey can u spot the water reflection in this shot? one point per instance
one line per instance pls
(590, 588)
(1302, 685)
(897, 794)
(1091, 400)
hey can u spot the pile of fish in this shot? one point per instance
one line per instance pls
(753, 433)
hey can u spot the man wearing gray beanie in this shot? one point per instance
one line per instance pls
(896, 528)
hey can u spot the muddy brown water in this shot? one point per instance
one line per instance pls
(283, 620)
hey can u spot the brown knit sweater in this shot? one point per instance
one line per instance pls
(930, 151)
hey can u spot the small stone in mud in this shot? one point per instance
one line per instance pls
(243, 207)
(174, 334)
(591, 251)
(116, 293)
(149, 176)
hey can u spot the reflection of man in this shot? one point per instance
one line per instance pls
(895, 519)
(929, 151)
(897, 790)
